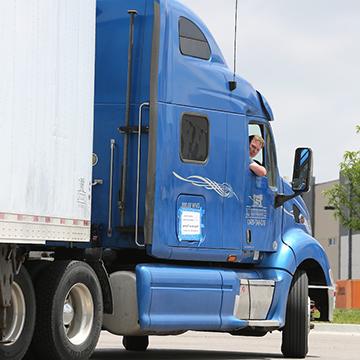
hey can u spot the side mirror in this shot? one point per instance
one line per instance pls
(301, 176)
(302, 170)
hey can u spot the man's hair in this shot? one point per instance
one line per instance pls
(257, 138)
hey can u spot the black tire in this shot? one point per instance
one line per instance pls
(296, 331)
(58, 335)
(23, 290)
(136, 343)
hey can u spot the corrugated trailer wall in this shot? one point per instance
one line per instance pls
(46, 119)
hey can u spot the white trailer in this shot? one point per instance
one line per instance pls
(46, 125)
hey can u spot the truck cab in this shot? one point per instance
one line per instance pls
(184, 236)
(190, 196)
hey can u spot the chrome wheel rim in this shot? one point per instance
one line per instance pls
(15, 315)
(78, 314)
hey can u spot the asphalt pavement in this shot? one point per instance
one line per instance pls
(326, 342)
(342, 328)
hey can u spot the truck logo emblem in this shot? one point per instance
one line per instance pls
(224, 190)
(256, 213)
(257, 200)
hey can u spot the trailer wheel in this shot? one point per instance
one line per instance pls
(136, 343)
(296, 331)
(70, 310)
(20, 318)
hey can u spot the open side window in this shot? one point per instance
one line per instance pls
(267, 155)
(257, 129)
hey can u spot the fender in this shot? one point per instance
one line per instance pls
(295, 248)
(305, 247)
(283, 258)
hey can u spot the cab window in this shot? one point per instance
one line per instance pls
(271, 164)
(192, 41)
(194, 142)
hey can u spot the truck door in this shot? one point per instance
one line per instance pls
(262, 219)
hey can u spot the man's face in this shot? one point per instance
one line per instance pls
(255, 147)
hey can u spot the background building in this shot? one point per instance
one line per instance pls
(331, 234)
(326, 227)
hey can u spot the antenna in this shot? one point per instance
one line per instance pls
(232, 83)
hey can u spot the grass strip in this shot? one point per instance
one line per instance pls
(346, 316)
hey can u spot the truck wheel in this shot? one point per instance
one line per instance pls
(136, 343)
(70, 311)
(296, 330)
(20, 318)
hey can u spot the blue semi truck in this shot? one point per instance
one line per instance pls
(172, 231)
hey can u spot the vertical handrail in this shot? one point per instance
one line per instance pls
(111, 177)
(138, 175)
(132, 14)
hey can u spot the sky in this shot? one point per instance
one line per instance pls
(304, 57)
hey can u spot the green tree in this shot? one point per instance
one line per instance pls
(345, 196)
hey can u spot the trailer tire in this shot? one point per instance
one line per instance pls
(21, 318)
(135, 343)
(70, 311)
(296, 331)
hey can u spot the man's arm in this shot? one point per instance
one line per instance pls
(257, 169)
